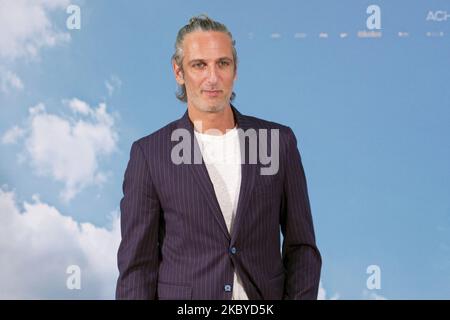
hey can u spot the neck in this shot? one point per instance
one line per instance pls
(203, 121)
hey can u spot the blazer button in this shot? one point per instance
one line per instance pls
(227, 288)
(233, 250)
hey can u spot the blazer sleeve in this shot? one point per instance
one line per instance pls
(137, 256)
(301, 257)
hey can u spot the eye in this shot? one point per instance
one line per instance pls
(224, 63)
(198, 65)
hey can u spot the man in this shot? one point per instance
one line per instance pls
(210, 229)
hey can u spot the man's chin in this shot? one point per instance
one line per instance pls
(213, 108)
(216, 108)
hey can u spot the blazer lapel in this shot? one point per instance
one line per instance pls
(201, 176)
(248, 172)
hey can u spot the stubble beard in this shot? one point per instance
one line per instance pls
(211, 108)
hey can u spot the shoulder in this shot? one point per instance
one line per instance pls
(285, 132)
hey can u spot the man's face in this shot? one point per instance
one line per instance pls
(208, 70)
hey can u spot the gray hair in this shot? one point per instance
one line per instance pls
(199, 23)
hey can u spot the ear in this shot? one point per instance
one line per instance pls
(178, 72)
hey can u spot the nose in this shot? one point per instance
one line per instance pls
(212, 75)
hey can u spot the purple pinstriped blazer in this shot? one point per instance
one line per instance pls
(175, 243)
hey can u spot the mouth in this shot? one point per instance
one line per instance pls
(212, 93)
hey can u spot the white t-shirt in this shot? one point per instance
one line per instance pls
(222, 157)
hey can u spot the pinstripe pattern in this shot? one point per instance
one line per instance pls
(175, 243)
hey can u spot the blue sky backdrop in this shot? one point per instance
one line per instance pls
(371, 115)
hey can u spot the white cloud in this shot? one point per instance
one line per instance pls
(79, 106)
(12, 135)
(25, 27)
(68, 149)
(9, 81)
(322, 294)
(112, 84)
(38, 243)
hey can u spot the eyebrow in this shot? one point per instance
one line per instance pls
(203, 60)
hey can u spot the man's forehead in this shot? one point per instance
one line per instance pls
(208, 43)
